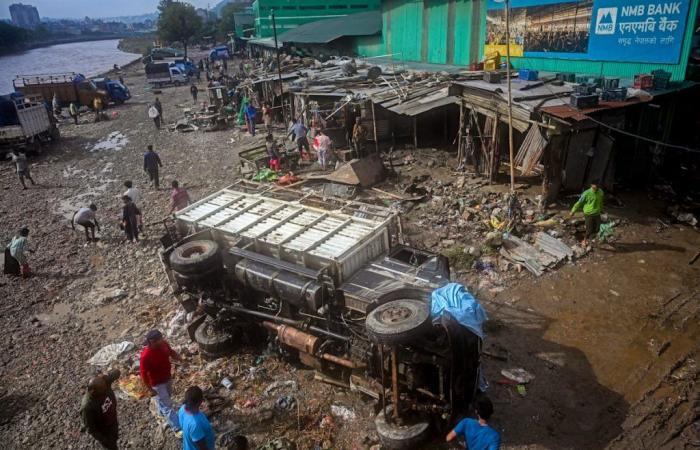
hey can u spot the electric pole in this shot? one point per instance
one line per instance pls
(510, 99)
(279, 68)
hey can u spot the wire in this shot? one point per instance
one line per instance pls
(626, 133)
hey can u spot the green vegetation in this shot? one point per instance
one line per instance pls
(178, 22)
(11, 37)
(227, 24)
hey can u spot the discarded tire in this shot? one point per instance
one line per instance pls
(398, 321)
(401, 437)
(195, 257)
(212, 342)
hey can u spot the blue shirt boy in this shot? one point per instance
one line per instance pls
(195, 427)
(477, 436)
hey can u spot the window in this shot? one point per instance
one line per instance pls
(338, 7)
(313, 7)
(358, 6)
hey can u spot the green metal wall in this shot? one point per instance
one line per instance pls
(292, 13)
(404, 37)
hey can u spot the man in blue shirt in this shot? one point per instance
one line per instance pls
(197, 433)
(151, 163)
(476, 432)
(250, 113)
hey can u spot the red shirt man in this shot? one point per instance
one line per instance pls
(179, 198)
(156, 374)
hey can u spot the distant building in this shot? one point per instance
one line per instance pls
(25, 16)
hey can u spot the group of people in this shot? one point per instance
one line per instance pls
(98, 408)
(131, 219)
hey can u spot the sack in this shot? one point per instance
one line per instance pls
(152, 112)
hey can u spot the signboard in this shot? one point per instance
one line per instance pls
(600, 30)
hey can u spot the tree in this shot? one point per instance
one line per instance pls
(179, 22)
(162, 6)
(228, 21)
(12, 37)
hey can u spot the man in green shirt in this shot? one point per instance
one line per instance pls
(591, 202)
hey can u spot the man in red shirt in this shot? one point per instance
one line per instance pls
(155, 373)
(179, 198)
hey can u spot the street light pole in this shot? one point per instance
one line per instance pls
(279, 67)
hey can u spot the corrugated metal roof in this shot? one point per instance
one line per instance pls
(325, 31)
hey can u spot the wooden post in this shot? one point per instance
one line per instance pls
(460, 156)
(415, 133)
(374, 129)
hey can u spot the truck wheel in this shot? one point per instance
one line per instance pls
(195, 256)
(55, 134)
(398, 321)
(393, 436)
(213, 342)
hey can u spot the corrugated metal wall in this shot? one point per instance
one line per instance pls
(402, 36)
(437, 30)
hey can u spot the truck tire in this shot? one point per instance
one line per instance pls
(401, 437)
(398, 321)
(195, 257)
(214, 343)
(55, 134)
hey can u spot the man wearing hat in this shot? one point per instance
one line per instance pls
(155, 373)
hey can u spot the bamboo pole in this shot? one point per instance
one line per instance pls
(510, 98)
(374, 129)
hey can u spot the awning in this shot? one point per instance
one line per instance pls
(324, 31)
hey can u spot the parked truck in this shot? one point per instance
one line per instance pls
(118, 93)
(164, 73)
(25, 123)
(329, 282)
(219, 52)
(68, 88)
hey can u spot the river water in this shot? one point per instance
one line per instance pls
(89, 58)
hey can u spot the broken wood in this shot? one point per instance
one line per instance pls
(694, 258)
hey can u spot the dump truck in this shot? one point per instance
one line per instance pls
(25, 123)
(68, 88)
(118, 93)
(164, 73)
(330, 283)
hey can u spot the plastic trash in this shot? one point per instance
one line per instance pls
(109, 353)
(455, 300)
(345, 413)
(518, 374)
(280, 384)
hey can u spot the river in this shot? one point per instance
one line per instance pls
(89, 58)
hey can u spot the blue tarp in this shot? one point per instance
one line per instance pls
(455, 300)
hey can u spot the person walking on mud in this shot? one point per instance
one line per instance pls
(179, 198)
(156, 374)
(17, 249)
(73, 111)
(250, 113)
(86, 218)
(98, 106)
(193, 92)
(151, 163)
(159, 107)
(131, 219)
(155, 115)
(98, 409)
(22, 166)
(591, 202)
(132, 192)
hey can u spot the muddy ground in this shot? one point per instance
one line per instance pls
(612, 338)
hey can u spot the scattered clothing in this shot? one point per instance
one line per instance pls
(195, 428)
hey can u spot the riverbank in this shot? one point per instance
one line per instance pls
(60, 41)
(137, 44)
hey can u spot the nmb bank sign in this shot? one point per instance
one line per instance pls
(600, 30)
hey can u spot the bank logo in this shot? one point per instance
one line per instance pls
(606, 21)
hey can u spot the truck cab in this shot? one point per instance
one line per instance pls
(178, 76)
(220, 52)
(117, 92)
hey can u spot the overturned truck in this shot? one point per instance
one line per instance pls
(332, 284)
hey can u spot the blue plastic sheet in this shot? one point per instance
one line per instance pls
(455, 300)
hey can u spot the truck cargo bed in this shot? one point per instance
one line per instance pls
(294, 228)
